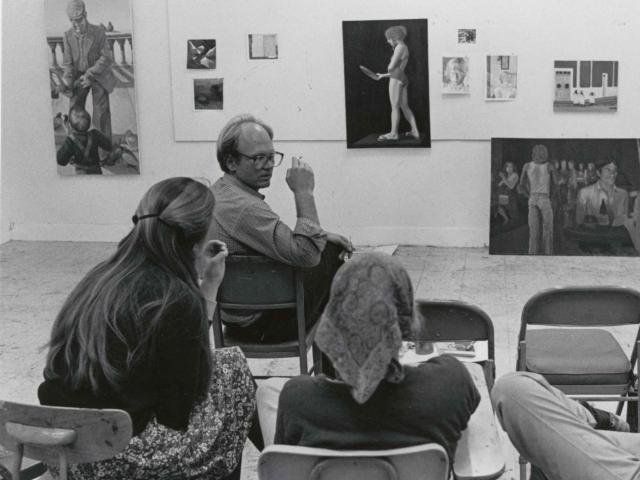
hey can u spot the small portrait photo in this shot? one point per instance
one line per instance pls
(263, 46)
(502, 77)
(585, 86)
(201, 54)
(207, 93)
(455, 75)
(565, 196)
(466, 35)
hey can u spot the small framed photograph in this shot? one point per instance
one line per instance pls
(455, 75)
(201, 54)
(207, 93)
(466, 35)
(263, 46)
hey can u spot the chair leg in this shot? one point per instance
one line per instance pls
(523, 468)
(17, 462)
(317, 360)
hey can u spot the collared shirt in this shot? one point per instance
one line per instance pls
(590, 199)
(246, 223)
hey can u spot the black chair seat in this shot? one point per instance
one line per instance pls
(577, 356)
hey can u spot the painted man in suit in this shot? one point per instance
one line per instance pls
(87, 66)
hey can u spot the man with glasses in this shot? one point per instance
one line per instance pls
(246, 223)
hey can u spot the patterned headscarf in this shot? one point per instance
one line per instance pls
(369, 311)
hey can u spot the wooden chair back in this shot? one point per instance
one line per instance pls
(62, 435)
(285, 462)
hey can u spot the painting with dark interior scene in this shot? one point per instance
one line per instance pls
(565, 196)
(207, 93)
(386, 78)
(92, 86)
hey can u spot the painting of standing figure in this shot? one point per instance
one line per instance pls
(92, 86)
(386, 83)
(565, 196)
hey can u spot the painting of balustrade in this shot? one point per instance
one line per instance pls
(92, 87)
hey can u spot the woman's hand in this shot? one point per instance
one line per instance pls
(211, 260)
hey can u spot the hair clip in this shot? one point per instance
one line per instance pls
(135, 218)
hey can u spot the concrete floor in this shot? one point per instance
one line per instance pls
(36, 277)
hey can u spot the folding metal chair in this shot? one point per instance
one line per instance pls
(574, 356)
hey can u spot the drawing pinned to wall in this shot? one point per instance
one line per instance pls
(263, 46)
(502, 77)
(565, 196)
(386, 83)
(207, 93)
(585, 86)
(201, 54)
(91, 57)
(466, 35)
(455, 75)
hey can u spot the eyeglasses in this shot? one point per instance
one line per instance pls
(261, 161)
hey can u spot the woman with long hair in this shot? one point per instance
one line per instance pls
(133, 335)
(398, 84)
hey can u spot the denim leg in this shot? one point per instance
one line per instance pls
(556, 434)
(544, 204)
(534, 228)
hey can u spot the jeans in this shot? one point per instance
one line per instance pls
(540, 206)
(556, 434)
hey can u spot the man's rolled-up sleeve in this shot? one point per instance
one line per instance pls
(261, 229)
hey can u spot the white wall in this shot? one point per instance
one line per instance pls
(411, 196)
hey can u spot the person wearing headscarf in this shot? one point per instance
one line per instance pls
(375, 402)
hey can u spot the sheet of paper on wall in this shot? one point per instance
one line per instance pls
(263, 46)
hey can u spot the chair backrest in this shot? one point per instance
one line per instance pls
(285, 462)
(257, 282)
(582, 306)
(451, 320)
(85, 435)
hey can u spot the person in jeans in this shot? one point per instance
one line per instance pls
(562, 438)
(536, 181)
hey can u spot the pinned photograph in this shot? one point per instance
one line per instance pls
(263, 46)
(201, 54)
(386, 83)
(466, 35)
(207, 93)
(565, 197)
(585, 86)
(455, 75)
(91, 84)
(502, 77)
